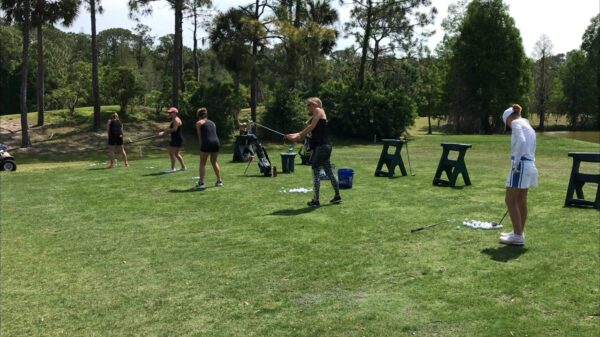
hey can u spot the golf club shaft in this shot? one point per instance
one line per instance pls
(504, 216)
(264, 127)
(427, 226)
(141, 139)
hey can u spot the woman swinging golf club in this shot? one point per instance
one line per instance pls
(523, 173)
(114, 129)
(321, 150)
(176, 140)
(209, 145)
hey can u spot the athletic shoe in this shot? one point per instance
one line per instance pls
(313, 203)
(511, 233)
(172, 170)
(183, 168)
(336, 200)
(200, 186)
(513, 239)
(219, 184)
(126, 164)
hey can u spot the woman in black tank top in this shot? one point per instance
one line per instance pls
(114, 129)
(209, 145)
(176, 140)
(321, 150)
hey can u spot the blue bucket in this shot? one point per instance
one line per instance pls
(345, 178)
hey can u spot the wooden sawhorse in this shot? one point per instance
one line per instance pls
(452, 167)
(577, 180)
(391, 160)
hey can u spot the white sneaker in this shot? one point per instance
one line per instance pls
(183, 168)
(173, 170)
(513, 239)
(219, 184)
(511, 233)
(200, 186)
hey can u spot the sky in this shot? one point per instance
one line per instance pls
(563, 21)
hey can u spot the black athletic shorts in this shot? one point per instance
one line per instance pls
(115, 140)
(176, 142)
(211, 147)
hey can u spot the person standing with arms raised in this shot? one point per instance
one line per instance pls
(523, 173)
(114, 129)
(176, 140)
(209, 146)
(321, 148)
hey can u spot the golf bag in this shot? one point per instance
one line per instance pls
(264, 164)
(305, 151)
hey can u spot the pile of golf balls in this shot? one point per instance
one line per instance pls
(479, 224)
(295, 190)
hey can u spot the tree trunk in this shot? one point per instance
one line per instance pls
(598, 78)
(195, 51)
(40, 76)
(95, 87)
(253, 72)
(429, 124)
(376, 57)
(542, 102)
(25, 141)
(177, 54)
(365, 45)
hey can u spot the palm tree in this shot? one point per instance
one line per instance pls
(93, 7)
(20, 11)
(144, 7)
(45, 12)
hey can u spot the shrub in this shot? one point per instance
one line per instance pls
(285, 112)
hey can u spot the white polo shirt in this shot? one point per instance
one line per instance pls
(522, 140)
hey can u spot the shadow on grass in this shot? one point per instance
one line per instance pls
(191, 189)
(291, 212)
(99, 168)
(155, 174)
(504, 253)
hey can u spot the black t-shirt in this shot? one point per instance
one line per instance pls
(115, 128)
(320, 134)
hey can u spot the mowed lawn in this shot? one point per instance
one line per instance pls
(87, 251)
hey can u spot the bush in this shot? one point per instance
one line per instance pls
(222, 103)
(285, 112)
(369, 111)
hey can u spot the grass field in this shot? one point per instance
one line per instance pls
(88, 251)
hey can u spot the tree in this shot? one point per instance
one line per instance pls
(120, 84)
(487, 70)
(429, 88)
(195, 8)
(394, 21)
(10, 61)
(591, 46)
(544, 72)
(75, 86)
(577, 79)
(145, 7)
(95, 7)
(20, 11)
(116, 47)
(142, 41)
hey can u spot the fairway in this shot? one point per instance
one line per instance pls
(89, 251)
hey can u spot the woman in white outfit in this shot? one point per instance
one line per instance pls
(523, 173)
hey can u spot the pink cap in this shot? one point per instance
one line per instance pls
(172, 109)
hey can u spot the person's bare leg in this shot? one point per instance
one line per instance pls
(111, 155)
(215, 164)
(172, 156)
(180, 158)
(203, 159)
(124, 155)
(511, 200)
(522, 204)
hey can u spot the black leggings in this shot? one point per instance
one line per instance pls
(320, 159)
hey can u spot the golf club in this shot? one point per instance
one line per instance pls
(267, 128)
(500, 222)
(408, 157)
(249, 162)
(142, 139)
(432, 225)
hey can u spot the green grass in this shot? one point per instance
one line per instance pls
(88, 251)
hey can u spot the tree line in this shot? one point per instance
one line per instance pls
(274, 53)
